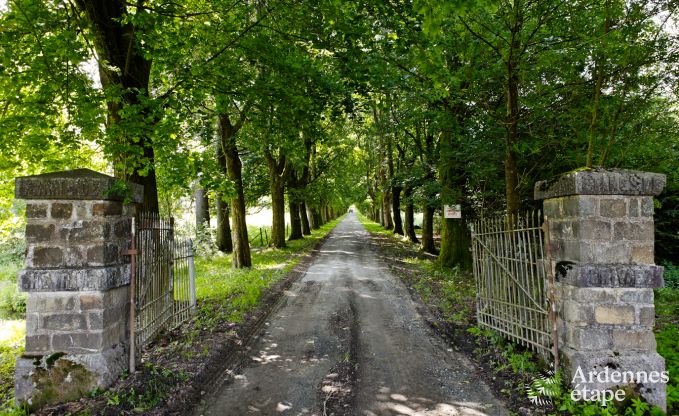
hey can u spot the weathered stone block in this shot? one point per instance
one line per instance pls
(122, 228)
(646, 316)
(37, 344)
(590, 229)
(88, 231)
(609, 275)
(643, 253)
(61, 210)
(94, 300)
(39, 232)
(105, 209)
(614, 315)
(36, 210)
(601, 182)
(633, 340)
(613, 208)
(577, 313)
(78, 342)
(608, 252)
(47, 257)
(638, 364)
(64, 322)
(579, 206)
(563, 230)
(588, 338)
(95, 320)
(86, 279)
(647, 207)
(637, 231)
(552, 207)
(634, 207)
(103, 254)
(83, 210)
(637, 296)
(75, 256)
(52, 302)
(32, 322)
(592, 295)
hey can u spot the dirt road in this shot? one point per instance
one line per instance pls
(347, 340)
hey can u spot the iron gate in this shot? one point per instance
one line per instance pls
(513, 288)
(163, 280)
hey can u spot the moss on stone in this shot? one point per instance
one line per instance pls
(59, 380)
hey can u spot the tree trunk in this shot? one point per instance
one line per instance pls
(277, 179)
(202, 210)
(239, 232)
(278, 209)
(315, 216)
(223, 238)
(386, 211)
(455, 251)
(396, 205)
(306, 225)
(454, 236)
(126, 69)
(295, 220)
(428, 230)
(410, 222)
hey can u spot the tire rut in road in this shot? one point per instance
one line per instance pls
(337, 390)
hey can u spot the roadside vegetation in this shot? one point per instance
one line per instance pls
(514, 372)
(12, 316)
(227, 294)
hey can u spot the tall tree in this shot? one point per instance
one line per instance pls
(124, 70)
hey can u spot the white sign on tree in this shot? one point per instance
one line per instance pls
(452, 211)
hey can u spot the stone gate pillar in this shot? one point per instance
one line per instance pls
(602, 237)
(77, 282)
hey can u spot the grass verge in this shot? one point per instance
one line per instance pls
(509, 369)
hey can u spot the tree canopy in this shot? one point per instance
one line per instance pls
(314, 105)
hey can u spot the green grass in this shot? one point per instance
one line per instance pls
(667, 332)
(12, 330)
(238, 291)
(11, 346)
(12, 302)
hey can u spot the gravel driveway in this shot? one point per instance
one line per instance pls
(347, 340)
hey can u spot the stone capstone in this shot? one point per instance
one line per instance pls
(75, 184)
(601, 182)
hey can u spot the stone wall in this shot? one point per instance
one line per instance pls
(602, 248)
(77, 280)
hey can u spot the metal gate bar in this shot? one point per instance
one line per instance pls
(164, 288)
(509, 267)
